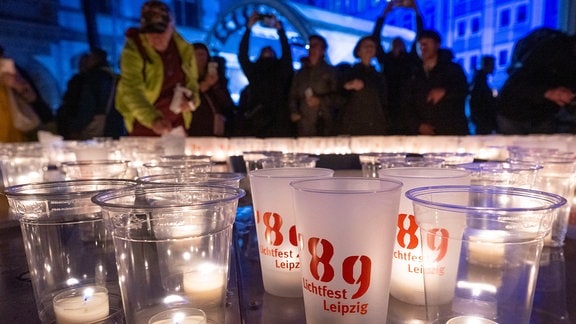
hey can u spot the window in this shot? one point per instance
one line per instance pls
(475, 25)
(505, 18)
(186, 13)
(461, 28)
(503, 58)
(521, 14)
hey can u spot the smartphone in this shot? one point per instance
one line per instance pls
(268, 20)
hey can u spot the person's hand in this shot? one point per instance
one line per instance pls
(209, 81)
(161, 126)
(185, 105)
(561, 96)
(435, 95)
(19, 85)
(278, 24)
(253, 19)
(355, 85)
(426, 129)
(313, 102)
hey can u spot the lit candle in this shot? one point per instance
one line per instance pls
(205, 285)
(470, 320)
(81, 305)
(489, 254)
(179, 316)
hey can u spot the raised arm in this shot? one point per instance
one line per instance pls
(243, 56)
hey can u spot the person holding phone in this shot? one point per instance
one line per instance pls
(214, 113)
(264, 102)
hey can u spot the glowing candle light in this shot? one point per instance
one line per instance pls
(81, 305)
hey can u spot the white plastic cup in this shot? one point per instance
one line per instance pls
(407, 284)
(276, 226)
(346, 230)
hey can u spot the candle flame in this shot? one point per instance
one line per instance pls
(88, 293)
(178, 318)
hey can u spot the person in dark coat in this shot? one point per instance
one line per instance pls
(436, 94)
(265, 103)
(88, 97)
(314, 92)
(482, 100)
(365, 107)
(539, 89)
(398, 64)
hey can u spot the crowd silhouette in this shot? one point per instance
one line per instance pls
(167, 84)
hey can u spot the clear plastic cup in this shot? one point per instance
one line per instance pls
(172, 246)
(486, 241)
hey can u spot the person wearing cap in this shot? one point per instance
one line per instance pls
(158, 87)
(435, 96)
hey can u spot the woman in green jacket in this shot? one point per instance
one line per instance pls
(158, 86)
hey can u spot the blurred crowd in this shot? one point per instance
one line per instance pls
(167, 85)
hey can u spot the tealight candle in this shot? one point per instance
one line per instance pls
(179, 316)
(489, 254)
(205, 285)
(81, 305)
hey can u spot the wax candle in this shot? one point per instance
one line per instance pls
(489, 254)
(205, 285)
(470, 320)
(179, 316)
(81, 305)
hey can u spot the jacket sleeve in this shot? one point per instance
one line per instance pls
(377, 35)
(131, 100)
(243, 57)
(286, 50)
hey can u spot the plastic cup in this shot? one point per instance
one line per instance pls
(165, 167)
(558, 175)
(22, 166)
(411, 161)
(505, 174)
(276, 226)
(210, 178)
(407, 283)
(288, 162)
(251, 158)
(370, 162)
(450, 158)
(98, 169)
(346, 230)
(66, 241)
(486, 243)
(172, 245)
